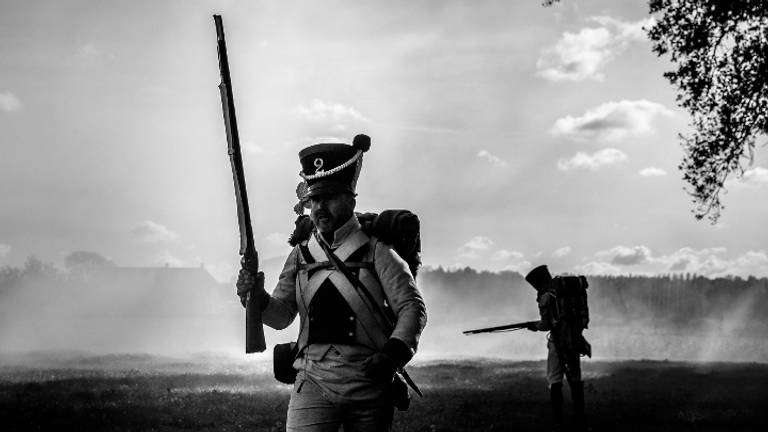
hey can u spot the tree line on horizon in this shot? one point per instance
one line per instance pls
(675, 299)
(678, 300)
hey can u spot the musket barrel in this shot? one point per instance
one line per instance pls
(254, 331)
(508, 327)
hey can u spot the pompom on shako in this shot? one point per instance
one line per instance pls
(362, 142)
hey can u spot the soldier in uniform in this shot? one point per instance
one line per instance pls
(346, 357)
(562, 358)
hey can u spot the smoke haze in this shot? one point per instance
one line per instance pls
(677, 317)
(184, 311)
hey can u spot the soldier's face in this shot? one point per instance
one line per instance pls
(330, 211)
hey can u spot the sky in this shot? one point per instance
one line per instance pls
(520, 135)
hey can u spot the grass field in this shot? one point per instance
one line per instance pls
(142, 393)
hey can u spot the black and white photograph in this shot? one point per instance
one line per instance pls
(372, 216)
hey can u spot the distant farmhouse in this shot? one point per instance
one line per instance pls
(161, 292)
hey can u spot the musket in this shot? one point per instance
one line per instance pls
(254, 331)
(508, 327)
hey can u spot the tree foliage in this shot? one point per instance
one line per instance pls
(36, 269)
(85, 261)
(720, 48)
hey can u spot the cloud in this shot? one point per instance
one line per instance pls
(89, 50)
(583, 55)
(561, 252)
(521, 267)
(4, 250)
(152, 232)
(577, 56)
(511, 261)
(475, 245)
(334, 115)
(600, 158)
(626, 30)
(712, 262)
(611, 261)
(480, 250)
(493, 159)
(680, 265)
(504, 255)
(627, 256)
(751, 262)
(652, 172)
(757, 176)
(479, 243)
(275, 245)
(612, 121)
(709, 262)
(9, 102)
(597, 268)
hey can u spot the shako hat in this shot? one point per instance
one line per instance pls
(331, 167)
(539, 277)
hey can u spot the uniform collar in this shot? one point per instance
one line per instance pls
(340, 235)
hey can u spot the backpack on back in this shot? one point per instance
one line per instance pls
(398, 228)
(571, 312)
(571, 304)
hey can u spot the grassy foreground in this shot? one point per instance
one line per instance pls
(141, 393)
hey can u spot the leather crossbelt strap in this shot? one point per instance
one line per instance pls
(327, 264)
(359, 287)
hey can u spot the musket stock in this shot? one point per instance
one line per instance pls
(254, 330)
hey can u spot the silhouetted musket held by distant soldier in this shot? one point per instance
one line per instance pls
(502, 328)
(564, 313)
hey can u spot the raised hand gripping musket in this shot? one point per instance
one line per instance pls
(254, 330)
(508, 327)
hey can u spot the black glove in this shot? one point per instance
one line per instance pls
(381, 366)
(533, 326)
(247, 284)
